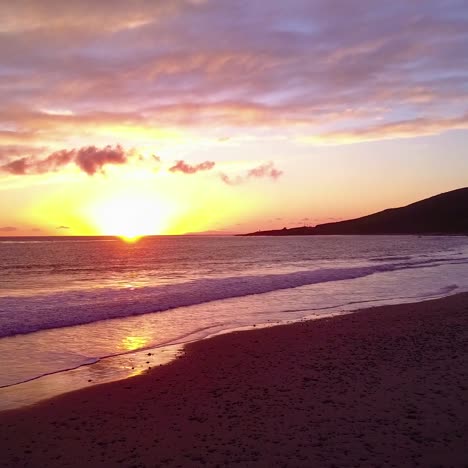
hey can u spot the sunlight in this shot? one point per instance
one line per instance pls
(131, 343)
(131, 216)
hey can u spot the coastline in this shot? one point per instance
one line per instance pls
(122, 366)
(383, 386)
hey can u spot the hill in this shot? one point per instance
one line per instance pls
(443, 214)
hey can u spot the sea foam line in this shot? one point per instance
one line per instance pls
(56, 310)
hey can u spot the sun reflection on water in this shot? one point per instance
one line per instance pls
(130, 343)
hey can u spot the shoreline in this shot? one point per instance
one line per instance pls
(354, 388)
(47, 386)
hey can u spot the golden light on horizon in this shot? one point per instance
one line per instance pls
(131, 216)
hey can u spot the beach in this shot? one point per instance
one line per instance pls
(386, 386)
(233, 234)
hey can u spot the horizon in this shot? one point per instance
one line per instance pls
(198, 116)
(132, 239)
(233, 232)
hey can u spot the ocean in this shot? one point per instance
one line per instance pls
(80, 311)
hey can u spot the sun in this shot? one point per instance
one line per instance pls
(131, 216)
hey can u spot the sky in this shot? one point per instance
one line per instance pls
(137, 117)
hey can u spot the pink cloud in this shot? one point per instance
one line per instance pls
(311, 63)
(182, 166)
(266, 170)
(89, 159)
(17, 167)
(231, 180)
(398, 129)
(92, 159)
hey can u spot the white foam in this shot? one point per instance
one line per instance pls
(33, 313)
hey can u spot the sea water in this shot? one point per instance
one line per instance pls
(80, 311)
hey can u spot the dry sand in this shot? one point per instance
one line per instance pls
(383, 387)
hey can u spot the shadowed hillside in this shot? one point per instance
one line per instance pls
(446, 213)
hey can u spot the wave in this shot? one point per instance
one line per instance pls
(386, 259)
(33, 313)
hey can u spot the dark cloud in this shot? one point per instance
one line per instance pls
(182, 166)
(8, 229)
(266, 170)
(89, 159)
(62, 227)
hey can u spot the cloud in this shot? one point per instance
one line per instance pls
(8, 229)
(15, 137)
(62, 227)
(182, 166)
(89, 159)
(399, 129)
(229, 180)
(17, 167)
(92, 159)
(24, 16)
(11, 151)
(266, 170)
(318, 66)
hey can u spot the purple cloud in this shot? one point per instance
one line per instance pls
(313, 63)
(398, 129)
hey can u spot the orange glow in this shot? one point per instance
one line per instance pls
(131, 216)
(131, 343)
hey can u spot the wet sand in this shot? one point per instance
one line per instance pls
(381, 387)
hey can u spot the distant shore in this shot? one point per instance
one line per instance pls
(440, 215)
(382, 387)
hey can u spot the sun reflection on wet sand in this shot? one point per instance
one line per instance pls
(130, 343)
(106, 370)
(136, 342)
